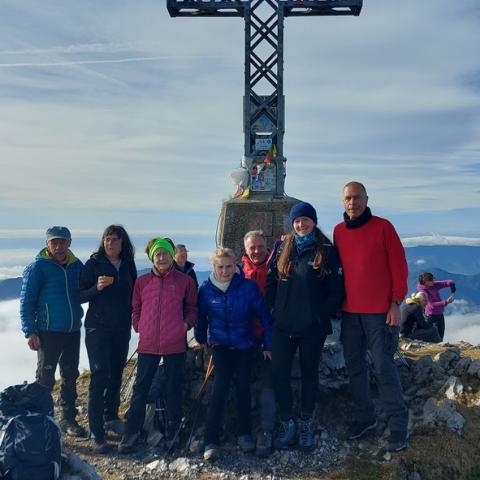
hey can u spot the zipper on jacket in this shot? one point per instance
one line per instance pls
(161, 289)
(227, 325)
(68, 296)
(47, 318)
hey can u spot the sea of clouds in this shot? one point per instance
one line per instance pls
(18, 361)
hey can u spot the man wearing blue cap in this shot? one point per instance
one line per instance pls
(50, 315)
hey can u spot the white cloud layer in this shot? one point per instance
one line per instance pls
(17, 360)
(19, 363)
(437, 239)
(11, 272)
(464, 327)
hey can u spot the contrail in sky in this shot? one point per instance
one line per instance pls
(97, 62)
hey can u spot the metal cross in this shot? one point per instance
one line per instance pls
(264, 101)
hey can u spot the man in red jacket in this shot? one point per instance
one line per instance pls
(375, 272)
(255, 267)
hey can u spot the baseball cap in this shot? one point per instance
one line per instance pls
(58, 232)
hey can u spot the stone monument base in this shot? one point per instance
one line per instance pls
(264, 213)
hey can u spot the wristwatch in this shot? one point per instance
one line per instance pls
(397, 302)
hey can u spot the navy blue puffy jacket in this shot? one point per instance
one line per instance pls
(228, 316)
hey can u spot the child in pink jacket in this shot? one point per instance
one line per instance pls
(435, 305)
(164, 307)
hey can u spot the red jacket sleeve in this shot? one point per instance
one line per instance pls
(397, 263)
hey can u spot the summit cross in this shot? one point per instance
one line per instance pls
(264, 101)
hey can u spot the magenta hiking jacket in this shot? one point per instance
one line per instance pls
(435, 305)
(160, 308)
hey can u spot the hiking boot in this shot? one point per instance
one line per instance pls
(246, 443)
(210, 453)
(286, 434)
(306, 430)
(72, 428)
(128, 442)
(359, 429)
(115, 426)
(100, 447)
(264, 444)
(397, 441)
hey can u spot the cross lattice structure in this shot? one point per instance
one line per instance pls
(264, 101)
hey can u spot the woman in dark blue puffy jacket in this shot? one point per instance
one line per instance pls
(227, 303)
(107, 283)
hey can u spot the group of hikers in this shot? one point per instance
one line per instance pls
(259, 311)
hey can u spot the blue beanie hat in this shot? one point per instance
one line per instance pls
(302, 209)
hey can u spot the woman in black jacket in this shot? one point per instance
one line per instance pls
(107, 283)
(304, 290)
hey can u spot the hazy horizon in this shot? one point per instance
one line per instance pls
(17, 251)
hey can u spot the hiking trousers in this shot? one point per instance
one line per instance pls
(438, 320)
(63, 349)
(362, 332)
(230, 365)
(107, 354)
(284, 348)
(267, 400)
(147, 365)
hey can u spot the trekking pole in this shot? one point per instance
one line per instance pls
(126, 383)
(402, 358)
(208, 374)
(131, 356)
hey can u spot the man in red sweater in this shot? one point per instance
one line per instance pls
(375, 272)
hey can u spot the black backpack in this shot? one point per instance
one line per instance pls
(30, 439)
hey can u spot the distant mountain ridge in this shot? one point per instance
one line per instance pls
(452, 258)
(460, 263)
(10, 288)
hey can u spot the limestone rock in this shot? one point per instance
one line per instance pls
(448, 358)
(180, 465)
(453, 388)
(462, 365)
(474, 368)
(423, 370)
(73, 468)
(445, 412)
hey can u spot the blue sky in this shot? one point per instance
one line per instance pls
(112, 111)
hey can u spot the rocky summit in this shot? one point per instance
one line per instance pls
(442, 389)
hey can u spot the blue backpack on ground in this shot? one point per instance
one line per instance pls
(30, 439)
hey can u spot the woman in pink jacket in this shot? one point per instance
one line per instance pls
(435, 305)
(164, 307)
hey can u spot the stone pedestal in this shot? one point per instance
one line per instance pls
(263, 213)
